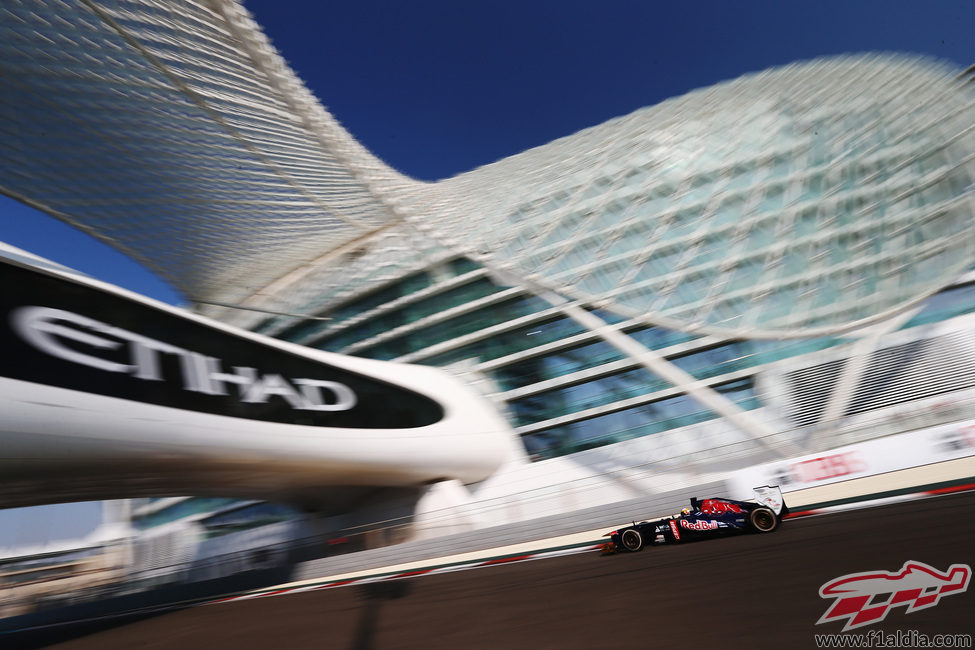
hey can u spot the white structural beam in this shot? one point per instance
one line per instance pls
(846, 384)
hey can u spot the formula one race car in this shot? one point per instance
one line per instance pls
(715, 517)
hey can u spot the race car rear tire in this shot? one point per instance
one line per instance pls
(631, 540)
(763, 520)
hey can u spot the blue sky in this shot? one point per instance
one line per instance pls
(438, 87)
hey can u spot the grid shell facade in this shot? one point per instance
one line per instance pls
(173, 131)
(727, 231)
(798, 201)
(802, 201)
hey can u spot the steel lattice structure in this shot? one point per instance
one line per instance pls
(174, 131)
(814, 198)
(799, 201)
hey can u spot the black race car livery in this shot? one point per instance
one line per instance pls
(712, 517)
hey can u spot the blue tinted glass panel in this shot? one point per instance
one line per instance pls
(182, 509)
(454, 328)
(412, 312)
(632, 423)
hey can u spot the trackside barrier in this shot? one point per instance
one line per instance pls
(489, 558)
(692, 455)
(487, 546)
(931, 447)
(543, 528)
(556, 547)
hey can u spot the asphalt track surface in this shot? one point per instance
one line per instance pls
(752, 591)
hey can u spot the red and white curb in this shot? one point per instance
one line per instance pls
(448, 568)
(882, 501)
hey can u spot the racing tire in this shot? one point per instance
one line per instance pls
(631, 540)
(763, 520)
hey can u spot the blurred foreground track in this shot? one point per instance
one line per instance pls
(757, 591)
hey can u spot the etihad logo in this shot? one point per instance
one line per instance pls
(79, 339)
(866, 598)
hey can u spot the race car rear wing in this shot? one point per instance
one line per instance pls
(771, 496)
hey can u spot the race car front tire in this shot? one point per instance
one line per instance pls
(763, 520)
(631, 540)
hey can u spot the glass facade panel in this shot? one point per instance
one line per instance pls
(180, 510)
(606, 390)
(714, 361)
(463, 265)
(250, 516)
(409, 313)
(511, 342)
(566, 400)
(761, 352)
(404, 287)
(599, 392)
(453, 328)
(947, 304)
(558, 364)
(656, 338)
(304, 329)
(632, 423)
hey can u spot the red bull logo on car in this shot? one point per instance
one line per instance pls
(701, 524)
(866, 598)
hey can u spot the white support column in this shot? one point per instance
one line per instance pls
(849, 379)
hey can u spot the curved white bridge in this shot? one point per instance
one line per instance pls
(105, 394)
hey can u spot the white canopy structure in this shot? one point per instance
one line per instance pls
(174, 132)
(784, 203)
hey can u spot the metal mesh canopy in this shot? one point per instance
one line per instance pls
(803, 200)
(173, 131)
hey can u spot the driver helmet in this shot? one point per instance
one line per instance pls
(686, 511)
